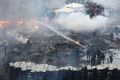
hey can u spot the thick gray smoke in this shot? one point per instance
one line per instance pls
(14, 10)
(17, 9)
(26, 10)
(82, 22)
(29, 9)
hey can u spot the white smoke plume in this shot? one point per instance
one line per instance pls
(82, 22)
(18, 37)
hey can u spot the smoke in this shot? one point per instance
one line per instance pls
(55, 3)
(82, 22)
(114, 7)
(17, 37)
(23, 9)
(112, 4)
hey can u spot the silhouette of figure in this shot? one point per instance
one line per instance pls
(111, 58)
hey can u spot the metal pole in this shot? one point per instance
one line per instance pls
(5, 43)
(5, 52)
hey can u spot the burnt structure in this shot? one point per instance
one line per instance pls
(69, 52)
(53, 51)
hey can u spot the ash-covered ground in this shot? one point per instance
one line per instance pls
(55, 50)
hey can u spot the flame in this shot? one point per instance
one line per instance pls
(32, 23)
(78, 43)
(4, 22)
(20, 22)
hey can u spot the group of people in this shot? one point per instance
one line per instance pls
(97, 56)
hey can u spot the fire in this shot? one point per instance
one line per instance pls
(4, 22)
(31, 24)
(78, 43)
(20, 22)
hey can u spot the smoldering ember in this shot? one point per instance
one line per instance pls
(59, 40)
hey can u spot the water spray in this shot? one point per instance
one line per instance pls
(54, 30)
(40, 23)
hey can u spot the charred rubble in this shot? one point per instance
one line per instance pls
(58, 51)
(49, 50)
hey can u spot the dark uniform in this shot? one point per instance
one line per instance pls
(111, 58)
